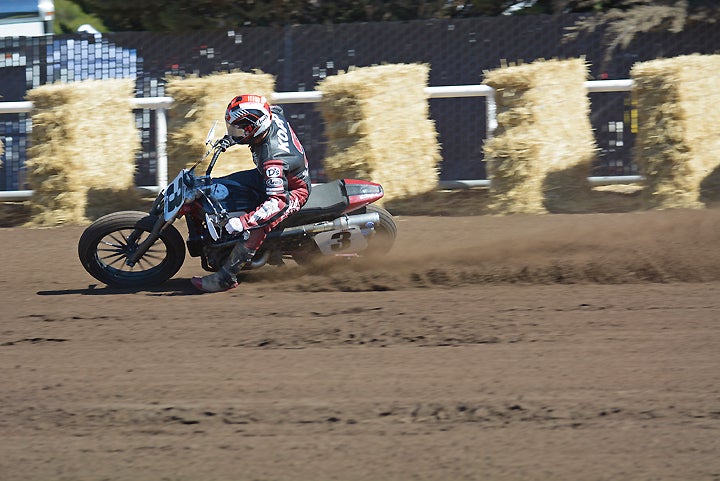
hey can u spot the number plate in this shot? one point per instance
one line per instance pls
(174, 196)
(347, 241)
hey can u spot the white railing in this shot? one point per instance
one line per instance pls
(161, 104)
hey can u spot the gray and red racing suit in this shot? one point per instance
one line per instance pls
(282, 172)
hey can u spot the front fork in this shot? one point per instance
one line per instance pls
(157, 210)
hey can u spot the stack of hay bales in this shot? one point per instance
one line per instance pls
(678, 141)
(200, 101)
(84, 143)
(378, 128)
(542, 151)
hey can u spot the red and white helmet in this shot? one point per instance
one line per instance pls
(247, 117)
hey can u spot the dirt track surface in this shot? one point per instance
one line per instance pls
(558, 347)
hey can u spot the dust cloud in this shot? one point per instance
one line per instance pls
(638, 247)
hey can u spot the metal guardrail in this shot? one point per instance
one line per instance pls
(161, 104)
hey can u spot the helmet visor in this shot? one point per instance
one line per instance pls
(241, 130)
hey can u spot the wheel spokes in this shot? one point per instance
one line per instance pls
(113, 250)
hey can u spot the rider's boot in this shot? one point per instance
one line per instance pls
(226, 278)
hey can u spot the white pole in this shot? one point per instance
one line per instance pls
(490, 115)
(620, 85)
(161, 144)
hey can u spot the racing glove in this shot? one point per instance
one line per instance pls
(225, 143)
(234, 226)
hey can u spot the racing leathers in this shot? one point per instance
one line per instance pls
(282, 179)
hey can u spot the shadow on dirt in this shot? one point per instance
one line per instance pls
(173, 287)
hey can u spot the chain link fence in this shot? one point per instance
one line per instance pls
(458, 51)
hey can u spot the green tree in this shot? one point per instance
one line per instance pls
(179, 15)
(69, 16)
(624, 19)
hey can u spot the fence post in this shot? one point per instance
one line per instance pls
(490, 115)
(161, 144)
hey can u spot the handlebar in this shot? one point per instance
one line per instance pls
(215, 156)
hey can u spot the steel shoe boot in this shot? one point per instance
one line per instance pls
(226, 278)
(216, 282)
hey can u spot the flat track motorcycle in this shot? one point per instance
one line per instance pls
(132, 249)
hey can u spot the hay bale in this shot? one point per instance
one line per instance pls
(198, 102)
(542, 151)
(378, 128)
(83, 138)
(678, 141)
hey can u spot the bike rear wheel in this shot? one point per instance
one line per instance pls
(385, 233)
(379, 244)
(105, 245)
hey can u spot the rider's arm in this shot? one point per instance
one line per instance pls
(276, 188)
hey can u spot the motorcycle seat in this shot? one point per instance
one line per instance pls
(326, 202)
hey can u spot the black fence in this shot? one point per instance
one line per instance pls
(458, 51)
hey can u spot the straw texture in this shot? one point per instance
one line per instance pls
(678, 142)
(378, 128)
(200, 101)
(84, 144)
(542, 150)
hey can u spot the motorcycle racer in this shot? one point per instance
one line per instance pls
(281, 179)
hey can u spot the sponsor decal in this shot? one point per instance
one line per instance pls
(274, 182)
(258, 99)
(262, 124)
(282, 135)
(271, 172)
(274, 186)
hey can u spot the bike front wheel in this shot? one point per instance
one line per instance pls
(107, 243)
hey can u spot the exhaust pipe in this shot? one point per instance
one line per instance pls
(359, 220)
(260, 261)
